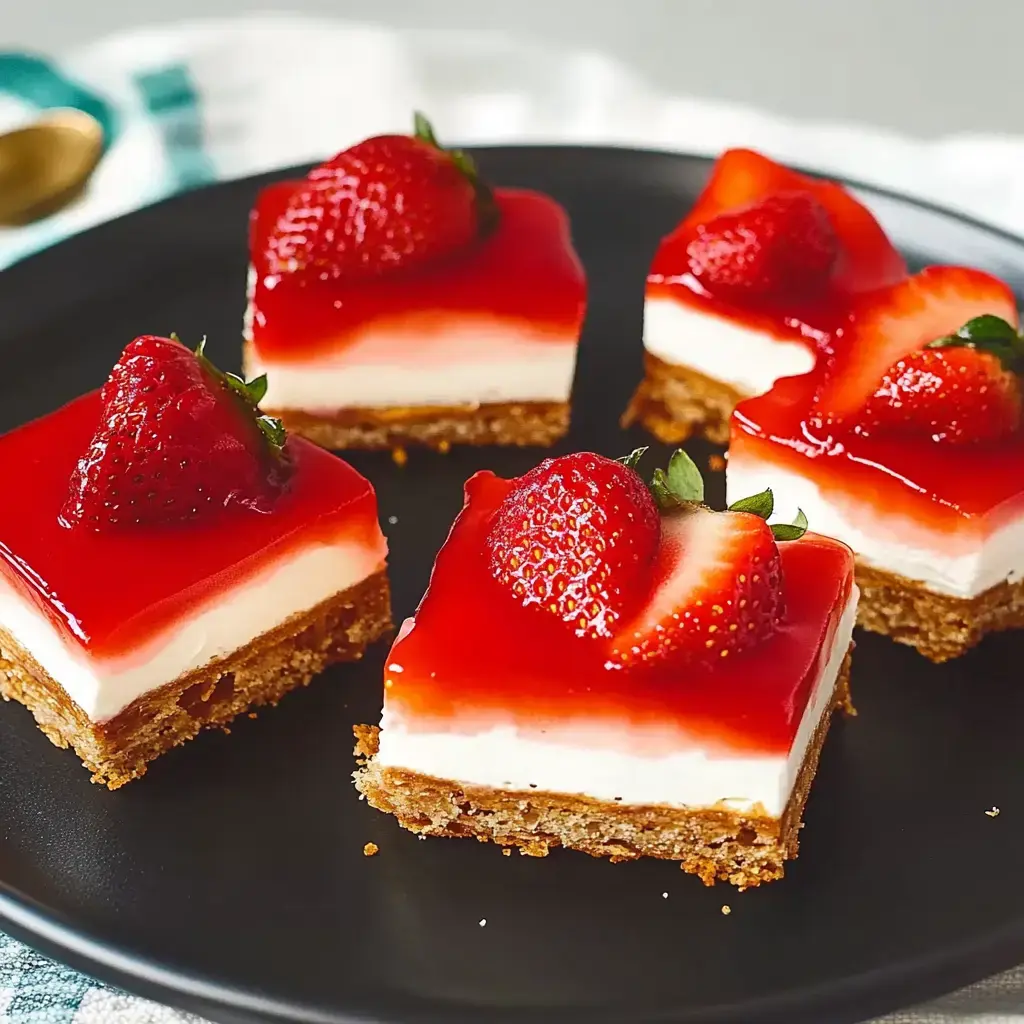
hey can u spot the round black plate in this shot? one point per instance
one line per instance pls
(231, 880)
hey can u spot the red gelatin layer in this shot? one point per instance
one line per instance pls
(476, 658)
(111, 592)
(866, 260)
(525, 270)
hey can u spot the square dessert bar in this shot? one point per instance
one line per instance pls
(450, 316)
(159, 574)
(628, 682)
(907, 445)
(751, 286)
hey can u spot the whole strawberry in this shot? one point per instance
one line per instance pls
(784, 245)
(393, 202)
(575, 538)
(178, 441)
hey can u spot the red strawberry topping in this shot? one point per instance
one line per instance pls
(393, 202)
(958, 395)
(782, 245)
(178, 441)
(718, 590)
(935, 356)
(576, 537)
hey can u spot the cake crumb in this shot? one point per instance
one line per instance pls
(444, 447)
(726, 909)
(506, 852)
(664, 895)
(483, 922)
(716, 463)
(993, 812)
(252, 714)
(399, 456)
(392, 520)
(371, 850)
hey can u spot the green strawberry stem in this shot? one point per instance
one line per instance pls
(487, 211)
(988, 333)
(251, 393)
(680, 488)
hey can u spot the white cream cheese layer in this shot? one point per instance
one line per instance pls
(692, 778)
(942, 562)
(294, 584)
(747, 360)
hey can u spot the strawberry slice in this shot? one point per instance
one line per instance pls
(781, 245)
(717, 587)
(890, 325)
(178, 441)
(576, 537)
(743, 179)
(393, 202)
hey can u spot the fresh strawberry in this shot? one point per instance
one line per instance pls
(742, 179)
(717, 586)
(393, 202)
(896, 322)
(177, 441)
(780, 245)
(576, 537)
(958, 395)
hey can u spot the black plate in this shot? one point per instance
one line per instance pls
(231, 880)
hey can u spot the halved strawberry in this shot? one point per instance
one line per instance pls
(717, 587)
(393, 202)
(741, 178)
(898, 321)
(781, 245)
(178, 441)
(576, 537)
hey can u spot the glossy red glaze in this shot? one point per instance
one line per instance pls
(525, 270)
(866, 261)
(962, 491)
(111, 592)
(508, 664)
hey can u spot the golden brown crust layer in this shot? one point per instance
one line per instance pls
(262, 672)
(520, 424)
(716, 844)
(674, 403)
(940, 626)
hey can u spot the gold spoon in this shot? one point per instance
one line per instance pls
(45, 165)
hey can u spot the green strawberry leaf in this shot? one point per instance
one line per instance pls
(632, 460)
(663, 494)
(684, 478)
(762, 504)
(987, 333)
(791, 531)
(487, 212)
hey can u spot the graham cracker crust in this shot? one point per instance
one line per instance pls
(674, 402)
(522, 424)
(716, 844)
(120, 749)
(940, 626)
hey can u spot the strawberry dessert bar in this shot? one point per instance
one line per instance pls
(173, 559)
(665, 680)
(751, 286)
(395, 298)
(907, 444)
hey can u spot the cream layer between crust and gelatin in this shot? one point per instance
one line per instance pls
(694, 777)
(747, 360)
(962, 565)
(293, 584)
(429, 359)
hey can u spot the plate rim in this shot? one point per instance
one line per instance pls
(877, 991)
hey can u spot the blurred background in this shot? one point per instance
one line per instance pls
(925, 67)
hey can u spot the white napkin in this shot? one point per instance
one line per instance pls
(198, 102)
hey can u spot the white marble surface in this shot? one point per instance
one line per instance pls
(928, 67)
